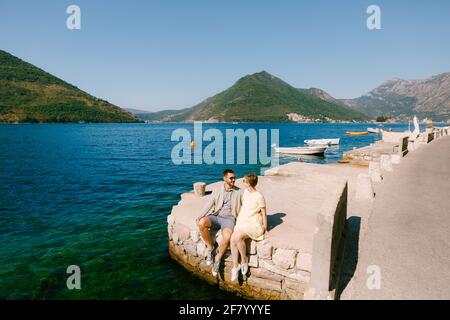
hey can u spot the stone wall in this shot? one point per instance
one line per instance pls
(328, 250)
(274, 273)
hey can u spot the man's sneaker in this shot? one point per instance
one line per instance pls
(235, 273)
(209, 257)
(215, 268)
(244, 268)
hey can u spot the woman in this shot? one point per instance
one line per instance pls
(251, 223)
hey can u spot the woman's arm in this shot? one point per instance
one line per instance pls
(264, 219)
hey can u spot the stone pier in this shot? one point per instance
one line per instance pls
(311, 210)
(301, 256)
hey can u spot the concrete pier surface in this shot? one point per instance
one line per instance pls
(405, 251)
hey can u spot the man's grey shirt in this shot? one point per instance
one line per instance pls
(226, 207)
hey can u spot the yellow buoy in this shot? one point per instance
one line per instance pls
(192, 144)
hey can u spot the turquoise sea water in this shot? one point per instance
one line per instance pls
(97, 196)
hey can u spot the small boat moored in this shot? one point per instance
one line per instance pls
(300, 150)
(357, 133)
(322, 142)
(374, 130)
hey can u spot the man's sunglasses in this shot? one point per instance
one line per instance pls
(232, 178)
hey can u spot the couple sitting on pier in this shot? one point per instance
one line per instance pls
(240, 215)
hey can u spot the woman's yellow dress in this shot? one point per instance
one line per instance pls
(249, 220)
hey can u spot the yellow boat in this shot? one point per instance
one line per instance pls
(357, 133)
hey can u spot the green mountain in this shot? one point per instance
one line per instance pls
(262, 97)
(29, 94)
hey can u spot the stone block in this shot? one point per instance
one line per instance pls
(182, 231)
(299, 275)
(304, 261)
(264, 249)
(291, 284)
(327, 251)
(253, 261)
(203, 267)
(178, 250)
(201, 249)
(284, 258)
(175, 237)
(265, 274)
(264, 283)
(294, 295)
(192, 261)
(190, 248)
(199, 189)
(195, 236)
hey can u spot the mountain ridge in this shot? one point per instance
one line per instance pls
(30, 94)
(262, 97)
(429, 97)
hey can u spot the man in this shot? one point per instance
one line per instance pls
(220, 213)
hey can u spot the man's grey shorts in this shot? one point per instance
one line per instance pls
(222, 222)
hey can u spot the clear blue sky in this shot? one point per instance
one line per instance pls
(154, 55)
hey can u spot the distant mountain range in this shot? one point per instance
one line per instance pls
(402, 98)
(264, 97)
(261, 97)
(29, 94)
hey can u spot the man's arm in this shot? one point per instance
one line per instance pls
(208, 207)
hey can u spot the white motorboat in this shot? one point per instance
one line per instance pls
(374, 130)
(300, 150)
(322, 142)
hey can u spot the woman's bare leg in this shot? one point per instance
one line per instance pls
(234, 249)
(236, 238)
(243, 248)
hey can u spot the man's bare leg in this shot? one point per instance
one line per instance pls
(204, 225)
(223, 246)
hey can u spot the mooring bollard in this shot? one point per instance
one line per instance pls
(199, 189)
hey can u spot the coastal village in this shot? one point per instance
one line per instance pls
(338, 231)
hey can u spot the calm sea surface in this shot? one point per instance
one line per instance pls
(97, 196)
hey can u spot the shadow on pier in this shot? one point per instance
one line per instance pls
(351, 249)
(274, 220)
